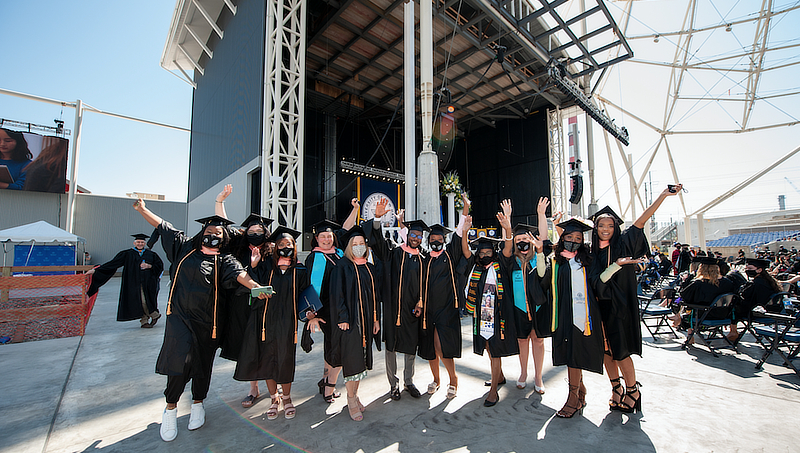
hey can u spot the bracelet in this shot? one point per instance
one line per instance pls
(220, 202)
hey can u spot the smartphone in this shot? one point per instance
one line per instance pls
(672, 188)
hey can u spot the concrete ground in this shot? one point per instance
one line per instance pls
(99, 393)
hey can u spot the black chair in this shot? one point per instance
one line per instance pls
(784, 336)
(655, 317)
(708, 330)
(757, 318)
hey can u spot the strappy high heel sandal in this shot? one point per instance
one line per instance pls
(334, 394)
(582, 394)
(353, 409)
(569, 411)
(637, 401)
(617, 391)
(274, 408)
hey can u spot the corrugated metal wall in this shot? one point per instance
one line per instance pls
(105, 222)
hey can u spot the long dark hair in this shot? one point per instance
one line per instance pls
(770, 280)
(21, 151)
(240, 248)
(583, 256)
(275, 255)
(612, 244)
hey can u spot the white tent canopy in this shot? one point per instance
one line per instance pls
(40, 231)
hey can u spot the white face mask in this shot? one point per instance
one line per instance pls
(359, 251)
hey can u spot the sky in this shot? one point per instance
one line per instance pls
(107, 54)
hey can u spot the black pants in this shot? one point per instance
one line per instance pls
(176, 384)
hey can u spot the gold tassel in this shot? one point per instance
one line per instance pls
(216, 284)
(172, 287)
(400, 290)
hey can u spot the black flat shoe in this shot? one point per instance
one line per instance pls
(487, 403)
(489, 383)
(395, 394)
(412, 390)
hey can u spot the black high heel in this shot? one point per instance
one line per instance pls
(637, 402)
(329, 398)
(321, 385)
(614, 405)
(575, 409)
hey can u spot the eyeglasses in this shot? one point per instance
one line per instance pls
(486, 252)
(414, 235)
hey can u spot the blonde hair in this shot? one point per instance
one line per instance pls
(348, 250)
(709, 272)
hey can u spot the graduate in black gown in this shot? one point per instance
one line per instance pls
(756, 292)
(198, 274)
(577, 329)
(615, 256)
(402, 303)
(531, 314)
(355, 312)
(269, 343)
(440, 337)
(325, 254)
(489, 301)
(138, 292)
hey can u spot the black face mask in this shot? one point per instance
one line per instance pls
(437, 246)
(571, 246)
(751, 272)
(486, 260)
(256, 238)
(286, 251)
(211, 241)
(523, 246)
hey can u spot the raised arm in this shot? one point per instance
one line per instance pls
(639, 223)
(219, 202)
(541, 217)
(464, 239)
(505, 222)
(351, 219)
(148, 215)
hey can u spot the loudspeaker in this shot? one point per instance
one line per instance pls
(577, 189)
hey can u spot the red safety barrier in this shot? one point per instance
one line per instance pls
(38, 307)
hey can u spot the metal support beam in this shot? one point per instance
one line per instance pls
(73, 178)
(555, 150)
(409, 110)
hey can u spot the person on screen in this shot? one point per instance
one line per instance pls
(15, 155)
(47, 172)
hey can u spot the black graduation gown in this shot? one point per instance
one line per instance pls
(757, 292)
(355, 294)
(134, 280)
(504, 341)
(237, 304)
(570, 346)
(190, 340)
(441, 302)
(702, 292)
(536, 315)
(324, 313)
(402, 276)
(617, 298)
(269, 343)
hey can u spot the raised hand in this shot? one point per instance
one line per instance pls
(401, 215)
(537, 243)
(669, 193)
(139, 205)
(541, 208)
(505, 205)
(380, 207)
(467, 203)
(226, 191)
(467, 223)
(354, 203)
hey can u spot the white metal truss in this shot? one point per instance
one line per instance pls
(284, 101)
(555, 154)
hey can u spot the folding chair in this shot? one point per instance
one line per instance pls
(785, 333)
(712, 328)
(757, 318)
(655, 317)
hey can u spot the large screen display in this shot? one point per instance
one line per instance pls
(31, 161)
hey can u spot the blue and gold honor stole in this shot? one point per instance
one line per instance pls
(472, 295)
(554, 289)
(519, 287)
(318, 269)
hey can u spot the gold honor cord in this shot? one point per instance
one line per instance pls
(216, 285)
(172, 289)
(400, 289)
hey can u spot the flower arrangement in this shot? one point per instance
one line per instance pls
(452, 184)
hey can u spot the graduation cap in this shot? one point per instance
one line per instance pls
(573, 225)
(485, 242)
(439, 229)
(522, 228)
(255, 219)
(140, 236)
(323, 226)
(705, 260)
(757, 262)
(354, 232)
(214, 220)
(606, 212)
(416, 225)
(279, 233)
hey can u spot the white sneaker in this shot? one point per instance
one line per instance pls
(198, 416)
(169, 425)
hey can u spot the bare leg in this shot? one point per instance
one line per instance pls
(523, 360)
(629, 373)
(331, 376)
(449, 364)
(538, 359)
(612, 369)
(253, 388)
(573, 404)
(352, 400)
(497, 372)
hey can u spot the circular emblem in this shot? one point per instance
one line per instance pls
(368, 209)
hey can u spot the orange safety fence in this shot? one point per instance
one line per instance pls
(38, 307)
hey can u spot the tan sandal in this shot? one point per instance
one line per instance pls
(288, 408)
(352, 407)
(451, 391)
(274, 408)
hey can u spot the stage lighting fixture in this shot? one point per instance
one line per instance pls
(573, 91)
